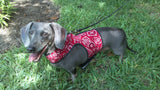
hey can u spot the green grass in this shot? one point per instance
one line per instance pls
(140, 20)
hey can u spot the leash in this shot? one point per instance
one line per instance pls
(79, 30)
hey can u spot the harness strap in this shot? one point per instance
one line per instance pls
(79, 30)
(83, 66)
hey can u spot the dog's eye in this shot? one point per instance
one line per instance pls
(45, 34)
(30, 32)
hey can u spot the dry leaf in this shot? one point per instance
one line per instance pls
(54, 18)
(110, 53)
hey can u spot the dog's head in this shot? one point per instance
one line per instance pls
(40, 37)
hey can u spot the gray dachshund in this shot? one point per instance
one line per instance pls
(67, 50)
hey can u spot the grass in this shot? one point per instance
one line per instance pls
(140, 20)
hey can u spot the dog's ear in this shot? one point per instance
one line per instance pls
(24, 34)
(60, 35)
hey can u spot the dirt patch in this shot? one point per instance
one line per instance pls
(27, 11)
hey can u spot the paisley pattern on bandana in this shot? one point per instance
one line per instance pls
(91, 40)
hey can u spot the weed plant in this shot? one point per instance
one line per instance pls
(6, 9)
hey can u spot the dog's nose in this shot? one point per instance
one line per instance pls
(31, 49)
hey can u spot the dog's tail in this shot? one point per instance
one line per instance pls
(131, 49)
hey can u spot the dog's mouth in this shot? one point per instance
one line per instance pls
(36, 56)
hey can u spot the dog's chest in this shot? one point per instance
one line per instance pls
(91, 40)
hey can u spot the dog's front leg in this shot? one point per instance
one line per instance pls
(76, 57)
(73, 74)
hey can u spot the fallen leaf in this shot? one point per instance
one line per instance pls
(110, 53)
(37, 20)
(54, 18)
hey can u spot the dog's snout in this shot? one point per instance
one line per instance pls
(31, 49)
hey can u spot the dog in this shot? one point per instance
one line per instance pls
(50, 39)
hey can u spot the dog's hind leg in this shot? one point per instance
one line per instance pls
(119, 49)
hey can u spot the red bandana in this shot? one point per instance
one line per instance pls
(91, 40)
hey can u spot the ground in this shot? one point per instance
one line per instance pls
(26, 11)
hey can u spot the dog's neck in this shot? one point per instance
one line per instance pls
(51, 48)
